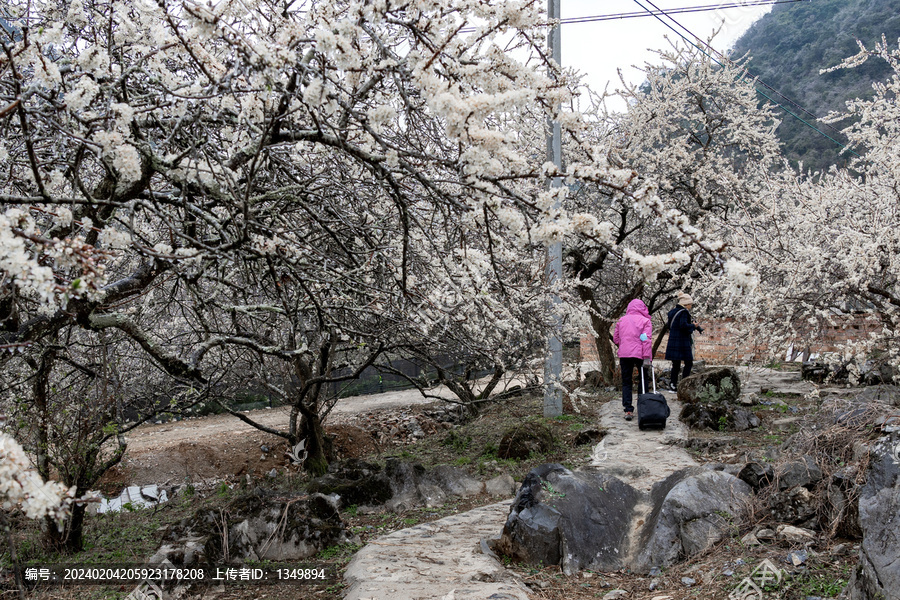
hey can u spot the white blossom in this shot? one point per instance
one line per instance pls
(22, 488)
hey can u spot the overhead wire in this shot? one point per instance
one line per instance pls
(748, 71)
(672, 11)
(644, 14)
(714, 59)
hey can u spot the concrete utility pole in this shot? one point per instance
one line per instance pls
(553, 366)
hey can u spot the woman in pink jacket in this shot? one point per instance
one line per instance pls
(633, 335)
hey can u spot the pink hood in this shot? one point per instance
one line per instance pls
(634, 331)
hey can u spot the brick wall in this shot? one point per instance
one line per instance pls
(721, 345)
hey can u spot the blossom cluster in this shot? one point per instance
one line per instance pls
(21, 487)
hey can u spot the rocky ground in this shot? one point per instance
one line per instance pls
(224, 454)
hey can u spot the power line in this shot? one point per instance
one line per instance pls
(755, 77)
(714, 59)
(672, 11)
(643, 14)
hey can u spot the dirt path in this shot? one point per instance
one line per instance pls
(203, 449)
(222, 446)
(201, 429)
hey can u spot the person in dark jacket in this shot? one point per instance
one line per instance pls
(680, 347)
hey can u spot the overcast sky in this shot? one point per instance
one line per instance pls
(598, 49)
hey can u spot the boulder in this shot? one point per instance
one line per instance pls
(692, 510)
(742, 420)
(578, 520)
(797, 506)
(522, 441)
(712, 386)
(842, 504)
(705, 416)
(757, 475)
(883, 394)
(878, 572)
(405, 478)
(413, 486)
(356, 482)
(399, 486)
(718, 417)
(802, 472)
(258, 528)
(501, 485)
(455, 481)
(589, 436)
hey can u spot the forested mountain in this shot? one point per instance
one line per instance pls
(790, 45)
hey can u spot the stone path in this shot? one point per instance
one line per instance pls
(641, 458)
(440, 560)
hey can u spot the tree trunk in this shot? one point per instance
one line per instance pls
(659, 338)
(314, 433)
(13, 558)
(601, 338)
(606, 357)
(69, 540)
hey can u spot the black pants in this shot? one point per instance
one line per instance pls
(628, 365)
(676, 368)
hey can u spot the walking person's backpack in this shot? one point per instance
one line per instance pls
(652, 408)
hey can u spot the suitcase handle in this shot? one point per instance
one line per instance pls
(643, 385)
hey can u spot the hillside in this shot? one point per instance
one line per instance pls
(790, 45)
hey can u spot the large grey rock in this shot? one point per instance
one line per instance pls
(801, 472)
(797, 506)
(413, 485)
(757, 475)
(693, 509)
(355, 482)
(718, 416)
(878, 573)
(883, 394)
(712, 386)
(455, 481)
(399, 486)
(258, 528)
(842, 506)
(501, 485)
(578, 520)
(743, 419)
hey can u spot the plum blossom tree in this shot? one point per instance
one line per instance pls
(695, 129)
(829, 241)
(23, 489)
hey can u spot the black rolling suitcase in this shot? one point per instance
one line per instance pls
(652, 409)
